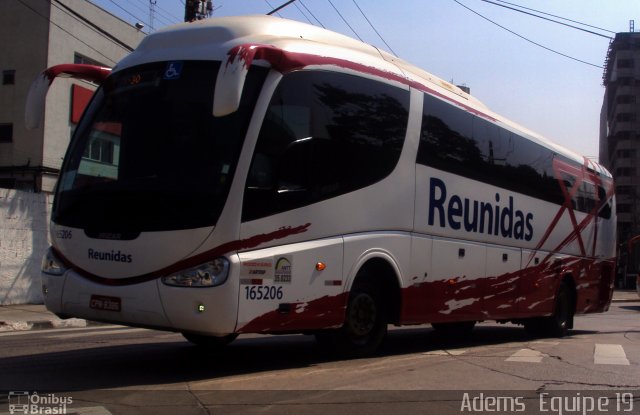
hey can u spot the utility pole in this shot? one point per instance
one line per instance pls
(197, 10)
(152, 13)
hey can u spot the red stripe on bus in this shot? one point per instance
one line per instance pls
(285, 61)
(216, 252)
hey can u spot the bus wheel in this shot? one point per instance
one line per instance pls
(460, 328)
(365, 325)
(210, 341)
(558, 324)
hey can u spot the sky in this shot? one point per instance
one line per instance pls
(550, 94)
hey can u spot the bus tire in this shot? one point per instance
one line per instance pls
(559, 323)
(365, 325)
(455, 329)
(210, 341)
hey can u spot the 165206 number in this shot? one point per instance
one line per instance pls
(263, 292)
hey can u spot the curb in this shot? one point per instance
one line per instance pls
(623, 300)
(11, 326)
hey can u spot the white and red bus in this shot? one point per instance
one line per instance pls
(259, 175)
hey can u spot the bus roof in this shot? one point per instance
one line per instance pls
(214, 39)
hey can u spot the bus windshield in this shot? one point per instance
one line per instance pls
(149, 155)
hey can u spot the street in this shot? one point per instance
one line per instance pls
(116, 369)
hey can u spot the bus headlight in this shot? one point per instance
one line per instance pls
(210, 274)
(51, 265)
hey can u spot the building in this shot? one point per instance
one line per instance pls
(620, 142)
(44, 33)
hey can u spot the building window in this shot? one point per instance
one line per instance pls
(625, 116)
(80, 59)
(626, 99)
(625, 63)
(625, 172)
(99, 150)
(6, 133)
(623, 208)
(625, 81)
(8, 77)
(626, 153)
(623, 135)
(624, 190)
(624, 230)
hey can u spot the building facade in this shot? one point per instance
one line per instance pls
(620, 143)
(44, 33)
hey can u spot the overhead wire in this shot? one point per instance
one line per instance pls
(345, 20)
(273, 8)
(175, 19)
(527, 39)
(158, 16)
(277, 10)
(91, 25)
(160, 13)
(302, 13)
(282, 6)
(66, 31)
(556, 16)
(311, 13)
(547, 19)
(127, 11)
(374, 28)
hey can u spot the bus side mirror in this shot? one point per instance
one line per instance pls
(232, 73)
(36, 98)
(229, 85)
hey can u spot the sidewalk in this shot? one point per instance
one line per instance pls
(622, 296)
(36, 316)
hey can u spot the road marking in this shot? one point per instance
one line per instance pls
(95, 333)
(609, 354)
(445, 353)
(240, 378)
(526, 355)
(545, 343)
(387, 361)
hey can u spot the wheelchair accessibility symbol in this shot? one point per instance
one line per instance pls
(173, 70)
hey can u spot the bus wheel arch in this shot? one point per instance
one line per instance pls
(561, 320)
(373, 302)
(566, 297)
(383, 272)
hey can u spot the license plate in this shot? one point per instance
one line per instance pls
(102, 302)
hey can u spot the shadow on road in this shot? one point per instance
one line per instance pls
(155, 363)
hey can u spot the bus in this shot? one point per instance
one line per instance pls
(259, 175)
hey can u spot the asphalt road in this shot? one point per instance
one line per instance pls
(114, 369)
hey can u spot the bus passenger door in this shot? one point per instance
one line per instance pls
(501, 285)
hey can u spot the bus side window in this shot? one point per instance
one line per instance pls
(261, 174)
(605, 205)
(324, 134)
